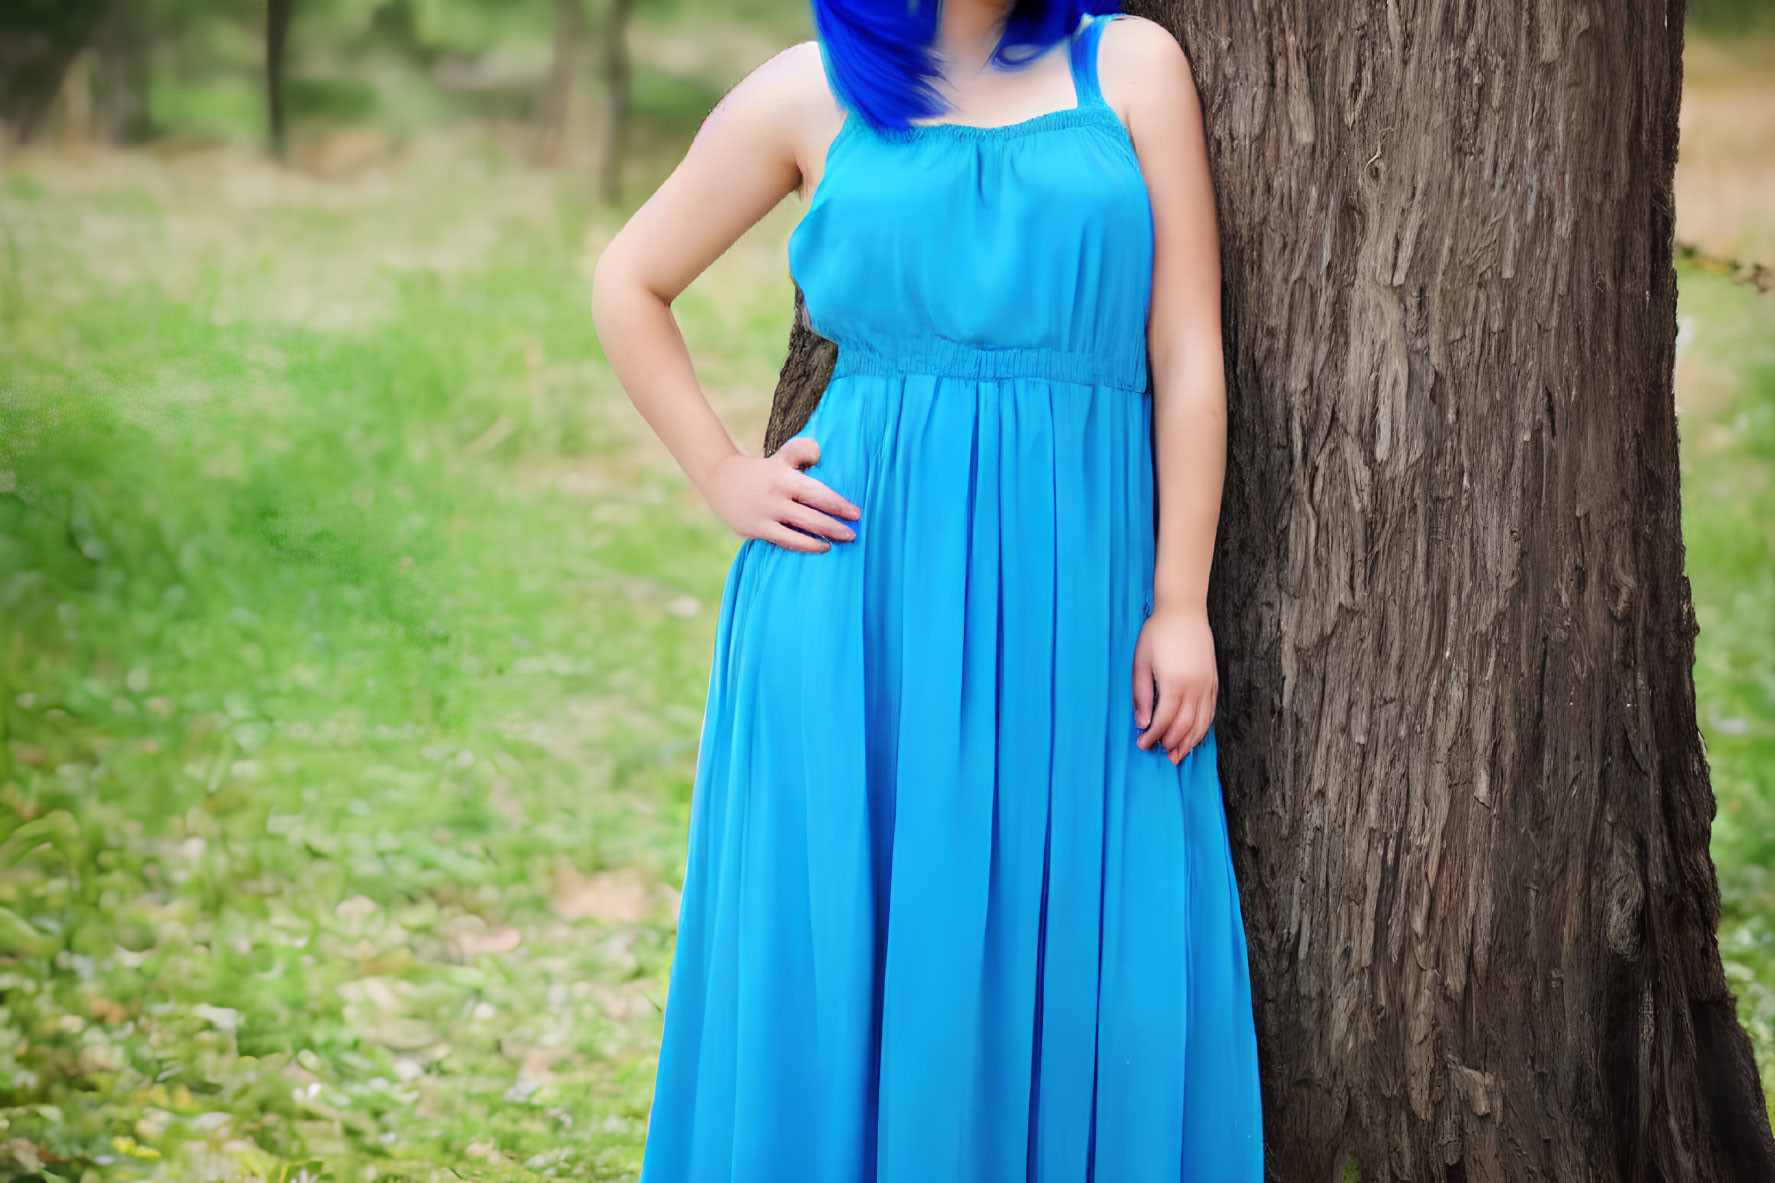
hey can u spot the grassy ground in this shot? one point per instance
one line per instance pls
(1726, 395)
(1726, 400)
(353, 638)
(354, 642)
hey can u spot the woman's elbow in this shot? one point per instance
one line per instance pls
(611, 280)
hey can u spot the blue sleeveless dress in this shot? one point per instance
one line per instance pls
(943, 921)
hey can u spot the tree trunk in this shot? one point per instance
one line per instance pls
(1469, 802)
(123, 45)
(616, 99)
(277, 37)
(38, 43)
(32, 66)
(802, 380)
(556, 103)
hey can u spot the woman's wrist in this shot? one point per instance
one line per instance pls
(705, 469)
(1179, 589)
(1196, 604)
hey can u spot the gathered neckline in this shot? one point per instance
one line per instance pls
(1088, 109)
(1060, 117)
(1087, 102)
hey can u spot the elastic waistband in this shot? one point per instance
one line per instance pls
(1122, 367)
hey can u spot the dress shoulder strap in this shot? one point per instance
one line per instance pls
(1084, 58)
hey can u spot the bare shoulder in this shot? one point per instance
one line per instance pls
(1141, 64)
(813, 88)
(817, 113)
(1143, 73)
(777, 101)
(793, 75)
(1134, 41)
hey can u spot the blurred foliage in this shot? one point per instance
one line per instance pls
(66, 22)
(399, 65)
(1731, 16)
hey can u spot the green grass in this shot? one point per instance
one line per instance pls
(351, 663)
(1729, 529)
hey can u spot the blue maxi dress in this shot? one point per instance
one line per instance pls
(943, 921)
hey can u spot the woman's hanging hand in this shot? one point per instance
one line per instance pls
(1176, 684)
(771, 498)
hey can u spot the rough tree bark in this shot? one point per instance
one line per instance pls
(1469, 800)
(1472, 801)
(802, 380)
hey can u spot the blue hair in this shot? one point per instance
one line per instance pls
(879, 57)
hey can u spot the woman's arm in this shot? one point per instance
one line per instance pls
(1189, 381)
(741, 163)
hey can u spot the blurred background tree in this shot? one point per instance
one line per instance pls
(119, 71)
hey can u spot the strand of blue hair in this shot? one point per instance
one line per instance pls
(880, 58)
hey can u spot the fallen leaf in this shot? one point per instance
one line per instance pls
(475, 938)
(620, 895)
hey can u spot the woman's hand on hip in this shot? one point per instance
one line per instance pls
(771, 498)
(1176, 685)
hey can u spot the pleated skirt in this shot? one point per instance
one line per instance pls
(942, 920)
